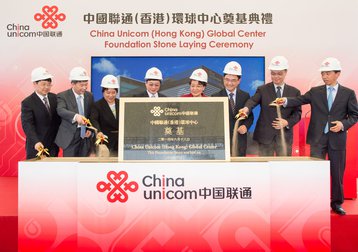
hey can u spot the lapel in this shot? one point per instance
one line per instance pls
(39, 104)
(272, 91)
(323, 95)
(286, 91)
(338, 96)
(107, 109)
(117, 108)
(72, 100)
(238, 100)
(53, 102)
(85, 103)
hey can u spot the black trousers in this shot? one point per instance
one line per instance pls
(79, 147)
(275, 147)
(337, 160)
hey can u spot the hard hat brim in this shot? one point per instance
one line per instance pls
(49, 76)
(80, 79)
(328, 69)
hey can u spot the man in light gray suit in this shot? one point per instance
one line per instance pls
(72, 105)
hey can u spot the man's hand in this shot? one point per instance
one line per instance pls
(79, 119)
(100, 135)
(242, 114)
(39, 146)
(242, 129)
(88, 133)
(279, 123)
(337, 127)
(278, 101)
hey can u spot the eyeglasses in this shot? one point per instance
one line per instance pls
(43, 84)
(230, 80)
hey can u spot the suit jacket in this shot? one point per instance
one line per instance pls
(145, 94)
(103, 119)
(241, 98)
(264, 132)
(39, 125)
(344, 109)
(66, 109)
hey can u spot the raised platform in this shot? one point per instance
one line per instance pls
(344, 231)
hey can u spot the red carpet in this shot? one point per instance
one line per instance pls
(8, 214)
(344, 229)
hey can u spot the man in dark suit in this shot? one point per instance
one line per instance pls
(153, 80)
(333, 111)
(39, 118)
(72, 105)
(237, 99)
(105, 113)
(270, 127)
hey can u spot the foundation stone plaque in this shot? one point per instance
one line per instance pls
(174, 129)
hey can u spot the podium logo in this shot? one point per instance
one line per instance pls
(50, 17)
(117, 186)
(157, 111)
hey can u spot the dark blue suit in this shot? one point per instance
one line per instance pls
(241, 98)
(344, 109)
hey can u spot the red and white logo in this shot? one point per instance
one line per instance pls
(50, 17)
(117, 187)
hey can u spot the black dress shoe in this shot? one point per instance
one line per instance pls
(339, 210)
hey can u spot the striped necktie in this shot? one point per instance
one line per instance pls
(232, 103)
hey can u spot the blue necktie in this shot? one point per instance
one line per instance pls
(330, 102)
(80, 111)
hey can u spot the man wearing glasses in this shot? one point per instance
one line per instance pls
(39, 118)
(74, 106)
(237, 99)
(274, 132)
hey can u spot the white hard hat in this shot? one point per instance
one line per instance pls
(330, 64)
(110, 81)
(233, 68)
(78, 74)
(40, 73)
(153, 74)
(199, 75)
(278, 63)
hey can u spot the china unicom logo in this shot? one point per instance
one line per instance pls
(117, 186)
(50, 17)
(157, 111)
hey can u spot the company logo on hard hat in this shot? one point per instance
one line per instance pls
(50, 17)
(235, 67)
(113, 81)
(326, 63)
(277, 63)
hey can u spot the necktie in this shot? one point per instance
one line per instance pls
(153, 96)
(47, 105)
(80, 111)
(330, 102)
(232, 103)
(278, 92)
